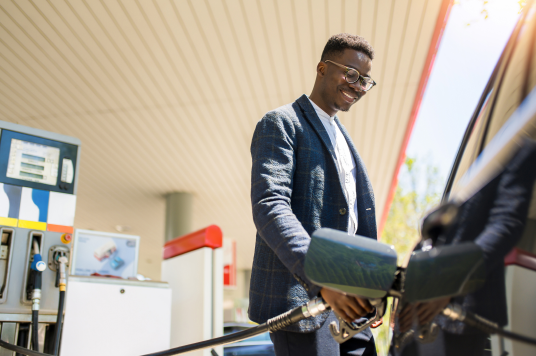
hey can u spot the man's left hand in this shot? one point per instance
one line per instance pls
(426, 312)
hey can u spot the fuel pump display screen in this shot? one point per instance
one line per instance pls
(33, 162)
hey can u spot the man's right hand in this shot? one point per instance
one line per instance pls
(349, 308)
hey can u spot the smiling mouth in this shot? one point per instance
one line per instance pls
(348, 97)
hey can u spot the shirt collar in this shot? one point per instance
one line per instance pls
(322, 114)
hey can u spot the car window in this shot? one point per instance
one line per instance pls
(532, 71)
(519, 80)
(472, 147)
(516, 78)
(505, 95)
(515, 84)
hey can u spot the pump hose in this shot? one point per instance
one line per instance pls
(227, 339)
(455, 312)
(21, 350)
(35, 330)
(59, 324)
(178, 350)
(36, 296)
(313, 308)
(489, 327)
(276, 323)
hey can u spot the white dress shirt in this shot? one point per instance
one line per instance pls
(345, 164)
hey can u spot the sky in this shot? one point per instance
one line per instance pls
(468, 52)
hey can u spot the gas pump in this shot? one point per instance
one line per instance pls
(38, 184)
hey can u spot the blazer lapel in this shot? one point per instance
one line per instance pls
(314, 120)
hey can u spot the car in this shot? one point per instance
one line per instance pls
(259, 345)
(511, 84)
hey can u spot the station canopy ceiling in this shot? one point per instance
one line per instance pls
(165, 95)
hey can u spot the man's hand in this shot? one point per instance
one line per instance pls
(405, 318)
(423, 312)
(426, 312)
(349, 308)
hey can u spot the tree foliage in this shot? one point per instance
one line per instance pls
(418, 190)
(483, 9)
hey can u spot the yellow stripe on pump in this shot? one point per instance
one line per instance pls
(8, 222)
(33, 225)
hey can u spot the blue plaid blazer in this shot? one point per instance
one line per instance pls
(295, 190)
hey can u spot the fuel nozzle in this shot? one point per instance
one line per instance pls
(437, 222)
(33, 289)
(62, 261)
(36, 270)
(61, 281)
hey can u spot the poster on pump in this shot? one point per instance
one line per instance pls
(105, 253)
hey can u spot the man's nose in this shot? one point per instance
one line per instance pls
(357, 87)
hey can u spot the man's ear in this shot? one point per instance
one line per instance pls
(321, 68)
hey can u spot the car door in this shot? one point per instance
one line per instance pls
(511, 82)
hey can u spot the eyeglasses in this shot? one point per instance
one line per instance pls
(351, 75)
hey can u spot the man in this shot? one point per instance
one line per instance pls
(494, 219)
(307, 175)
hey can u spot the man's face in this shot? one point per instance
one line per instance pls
(338, 94)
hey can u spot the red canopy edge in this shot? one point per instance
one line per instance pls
(441, 24)
(210, 236)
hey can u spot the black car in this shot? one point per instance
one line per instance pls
(259, 345)
(511, 85)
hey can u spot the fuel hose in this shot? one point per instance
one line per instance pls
(35, 329)
(36, 269)
(455, 312)
(313, 308)
(59, 324)
(227, 339)
(62, 285)
(21, 350)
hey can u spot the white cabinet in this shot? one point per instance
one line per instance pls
(107, 316)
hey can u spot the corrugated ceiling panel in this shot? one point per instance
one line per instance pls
(165, 95)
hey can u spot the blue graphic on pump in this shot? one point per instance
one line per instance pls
(34, 205)
(40, 198)
(13, 194)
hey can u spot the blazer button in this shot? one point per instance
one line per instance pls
(342, 211)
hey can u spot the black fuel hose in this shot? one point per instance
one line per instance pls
(35, 330)
(36, 296)
(227, 339)
(510, 335)
(455, 312)
(21, 350)
(61, 272)
(59, 324)
(489, 327)
(313, 308)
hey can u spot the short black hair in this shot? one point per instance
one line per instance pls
(338, 43)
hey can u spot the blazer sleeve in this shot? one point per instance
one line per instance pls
(273, 153)
(508, 214)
